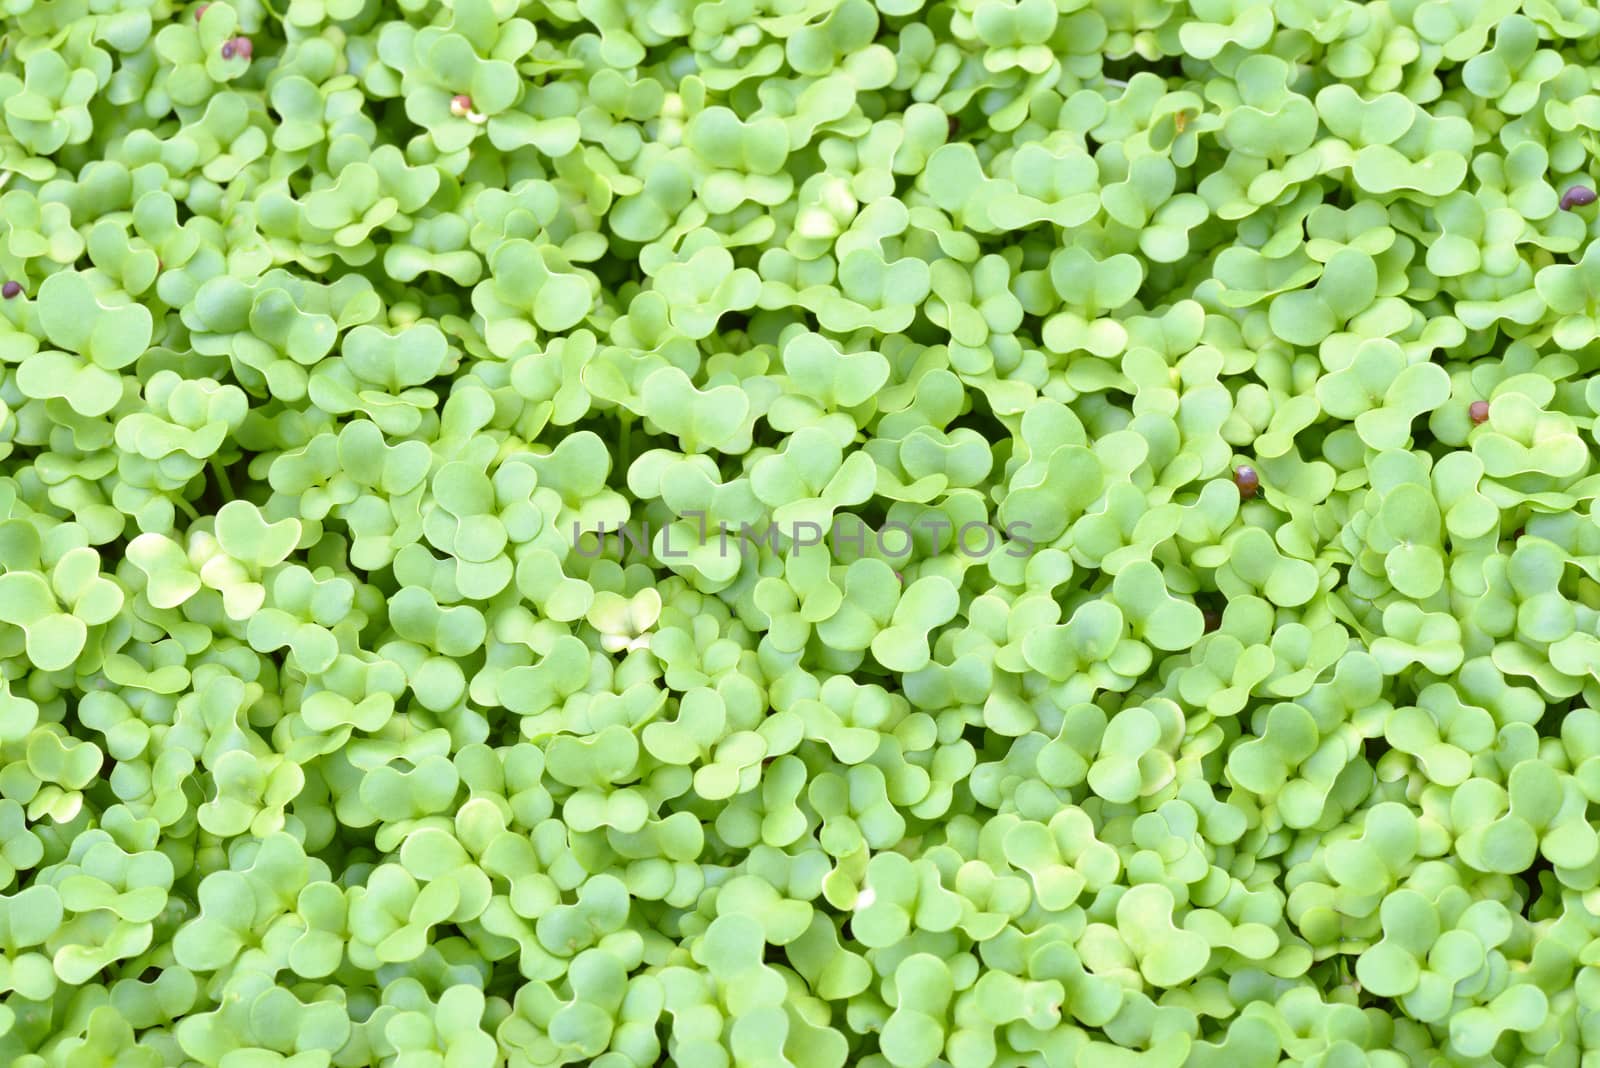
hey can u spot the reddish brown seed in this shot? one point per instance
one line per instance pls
(1213, 619)
(1478, 412)
(1247, 480)
(460, 105)
(200, 12)
(242, 47)
(11, 289)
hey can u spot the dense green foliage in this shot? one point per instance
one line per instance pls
(1107, 571)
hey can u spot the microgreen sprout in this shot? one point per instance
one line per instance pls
(629, 534)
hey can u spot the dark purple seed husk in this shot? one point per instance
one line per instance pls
(1247, 480)
(11, 289)
(227, 49)
(1576, 197)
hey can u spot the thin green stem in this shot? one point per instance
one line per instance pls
(224, 484)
